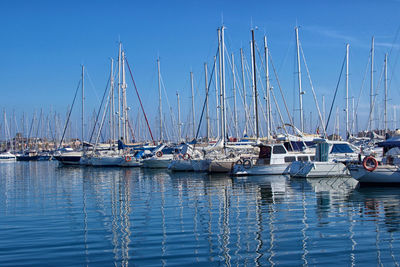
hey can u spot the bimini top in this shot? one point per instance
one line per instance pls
(391, 142)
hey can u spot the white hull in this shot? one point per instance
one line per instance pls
(106, 161)
(382, 174)
(315, 169)
(132, 163)
(7, 157)
(222, 165)
(180, 165)
(157, 163)
(200, 165)
(273, 169)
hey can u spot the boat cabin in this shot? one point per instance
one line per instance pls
(327, 150)
(278, 154)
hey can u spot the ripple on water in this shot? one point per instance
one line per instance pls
(110, 216)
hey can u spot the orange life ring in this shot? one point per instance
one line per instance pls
(159, 154)
(186, 156)
(370, 168)
(128, 158)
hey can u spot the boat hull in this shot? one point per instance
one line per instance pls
(200, 165)
(180, 165)
(221, 166)
(27, 158)
(311, 169)
(105, 161)
(156, 163)
(68, 160)
(383, 174)
(132, 163)
(273, 169)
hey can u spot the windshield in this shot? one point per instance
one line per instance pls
(341, 148)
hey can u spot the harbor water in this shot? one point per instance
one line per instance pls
(86, 216)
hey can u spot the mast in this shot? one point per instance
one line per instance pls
(255, 84)
(119, 90)
(193, 111)
(234, 97)
(83, 102)
(385, 112)
(347, 91)
(353, 124)
(223, 82)
(207, 107)
(299, 78)
(5, 129)
(371, 96)
(112, 111)
(124, 104)
(267, 88)
(216, 93)
(337, 122)
(221, 107)
(179, 118)
(244, 91)
(159, 99)
(323, 109)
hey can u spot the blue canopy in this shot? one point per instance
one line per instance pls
(391, 142)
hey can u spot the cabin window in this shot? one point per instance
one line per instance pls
(341, 148)
(295, 146)
(265, 152)
(302, 158)
(290, 159)
(310, 144)
(288, 146)
(279, 150)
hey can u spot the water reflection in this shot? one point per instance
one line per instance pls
(379, 202)
(268, 192)
(121, 217)
(331, 193)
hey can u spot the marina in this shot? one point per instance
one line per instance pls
(132, 216)
(171, 133)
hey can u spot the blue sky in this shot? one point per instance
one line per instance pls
(44, 44)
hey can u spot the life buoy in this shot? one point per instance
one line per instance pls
(367, 167)
(186, 156)
(128, 158)
(239, 162)
(180, 156)
(159, 154)
(247, 164)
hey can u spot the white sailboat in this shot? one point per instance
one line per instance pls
(183, 160)
(161, 157)
(7, 157)
(386, 171)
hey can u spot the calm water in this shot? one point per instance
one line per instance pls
(52, 216)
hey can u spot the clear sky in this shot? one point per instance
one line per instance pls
(44, 43)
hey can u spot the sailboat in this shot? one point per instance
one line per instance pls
(372, 170)
(111, 155)
(6, 156)
(160, 158)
